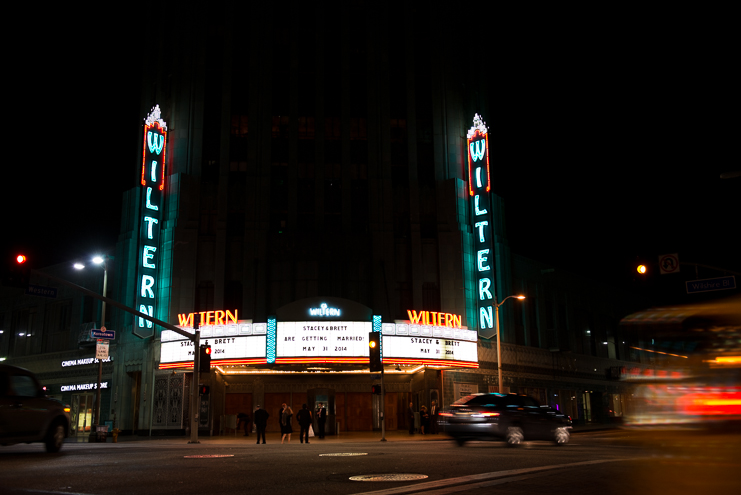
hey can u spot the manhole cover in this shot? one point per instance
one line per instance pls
(207, 456)
(389, 477)
(341, 454)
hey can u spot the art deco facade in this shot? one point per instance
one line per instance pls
(314, 152)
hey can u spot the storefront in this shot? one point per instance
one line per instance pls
(314, 351)
(72, 377)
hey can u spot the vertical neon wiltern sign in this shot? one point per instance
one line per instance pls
(479, 187)
(150, 211)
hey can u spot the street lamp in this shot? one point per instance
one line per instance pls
(499, 338)
(79, 266)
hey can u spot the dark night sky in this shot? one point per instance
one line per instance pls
(607, 142)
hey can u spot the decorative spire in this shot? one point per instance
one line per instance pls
(156, 116)
(479, 125)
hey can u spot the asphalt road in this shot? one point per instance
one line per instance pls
(602, 462)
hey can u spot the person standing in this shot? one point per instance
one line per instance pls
(261, 422)
(410, 418)
(433, 417)
(321, 418)
(280, 417)
(424, 419)
(304, 420)
(244, 418)
(287, 429)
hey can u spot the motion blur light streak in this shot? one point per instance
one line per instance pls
(658, 352)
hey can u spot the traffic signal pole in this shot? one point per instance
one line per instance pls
(194, 337)
(194, 405)
(383, 410)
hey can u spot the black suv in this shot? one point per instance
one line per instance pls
(27, 414)
(514, 418)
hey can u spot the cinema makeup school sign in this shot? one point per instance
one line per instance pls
(150, 214)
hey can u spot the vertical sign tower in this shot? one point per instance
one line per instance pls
(479, 188)
(150, 215)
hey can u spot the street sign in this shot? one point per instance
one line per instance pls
(710, 284)
(101, 349)
(668, 263)
(102, 333)
(40, 290)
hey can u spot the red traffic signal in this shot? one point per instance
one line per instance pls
(20, 259)
(203, 389)
(376, 390)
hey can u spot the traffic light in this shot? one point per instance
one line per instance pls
(376, 356)
(376, 390)
(19, 273)
(203, 390)
(641, 269)
(205, 364)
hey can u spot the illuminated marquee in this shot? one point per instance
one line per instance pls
(150, 211)
(321, 341)
(409, 349)
(235, 343)
(479, 186)
(335, 341)
(237, 349)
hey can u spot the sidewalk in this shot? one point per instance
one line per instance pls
(342, 438)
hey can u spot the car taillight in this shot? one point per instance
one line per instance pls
(445, 414)
(67, 409)
(490, 414)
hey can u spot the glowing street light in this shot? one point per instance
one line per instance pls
(499, 339)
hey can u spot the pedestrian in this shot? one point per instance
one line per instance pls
(410, 418)
(280, 418)
(433, 417)
(286, 424)
(424, 419)
(261, 422)
(304, 420)
(321, 418)
(244, 418)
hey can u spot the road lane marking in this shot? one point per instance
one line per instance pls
(484, 477)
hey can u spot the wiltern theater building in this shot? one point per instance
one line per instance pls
(309, 175)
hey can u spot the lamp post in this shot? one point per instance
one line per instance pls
(499, 338)
(98, 260)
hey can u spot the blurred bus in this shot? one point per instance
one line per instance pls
(689, 369)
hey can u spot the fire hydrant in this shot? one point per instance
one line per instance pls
(115, 432)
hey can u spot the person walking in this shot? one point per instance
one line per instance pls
(304, 420)
(261, 422)
(321, 418)
(286, 424)
(244, 418)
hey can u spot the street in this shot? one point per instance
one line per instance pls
(605, 462)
